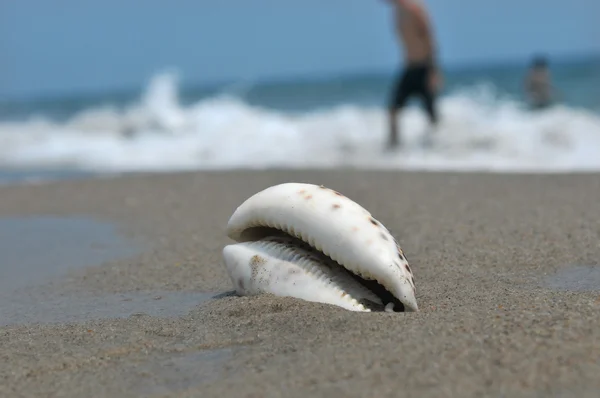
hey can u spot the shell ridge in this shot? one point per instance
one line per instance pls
(337, 279)
(277, 276)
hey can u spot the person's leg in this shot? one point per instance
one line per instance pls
(429, 101)
(398, 100)
(393, 128)
(430, 106)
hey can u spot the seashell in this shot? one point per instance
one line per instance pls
(313, 243)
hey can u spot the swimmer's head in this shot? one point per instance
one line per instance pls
(539, 62)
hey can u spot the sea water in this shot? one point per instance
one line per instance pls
(485, 125)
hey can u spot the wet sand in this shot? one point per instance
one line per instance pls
(128, 296)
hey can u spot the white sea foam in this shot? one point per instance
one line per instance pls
(478, 131)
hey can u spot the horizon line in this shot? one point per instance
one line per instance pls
(302, 78)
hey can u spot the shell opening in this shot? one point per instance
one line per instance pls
(380, 291)
(387, 298)
(258, 233)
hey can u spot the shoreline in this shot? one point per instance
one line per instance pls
(482, 247)
(24, 177)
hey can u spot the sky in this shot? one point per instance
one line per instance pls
(84, 46)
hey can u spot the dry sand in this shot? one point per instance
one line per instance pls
(482, 248)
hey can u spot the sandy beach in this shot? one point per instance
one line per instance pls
(117, 288)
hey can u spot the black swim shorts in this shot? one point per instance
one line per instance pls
(414, 80)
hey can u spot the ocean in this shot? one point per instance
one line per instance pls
(167, 125)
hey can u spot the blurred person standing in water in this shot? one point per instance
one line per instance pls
(538, 86)
(420, 75)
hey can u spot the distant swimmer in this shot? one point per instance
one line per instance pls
(420, 75)
(538, 87)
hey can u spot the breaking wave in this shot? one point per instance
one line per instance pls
(478, 131)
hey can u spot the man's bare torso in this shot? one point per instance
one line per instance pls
(412, 29)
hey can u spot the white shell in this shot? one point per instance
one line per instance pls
(278, 266)
(333, 224)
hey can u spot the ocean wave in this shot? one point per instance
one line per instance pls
(479, 131)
